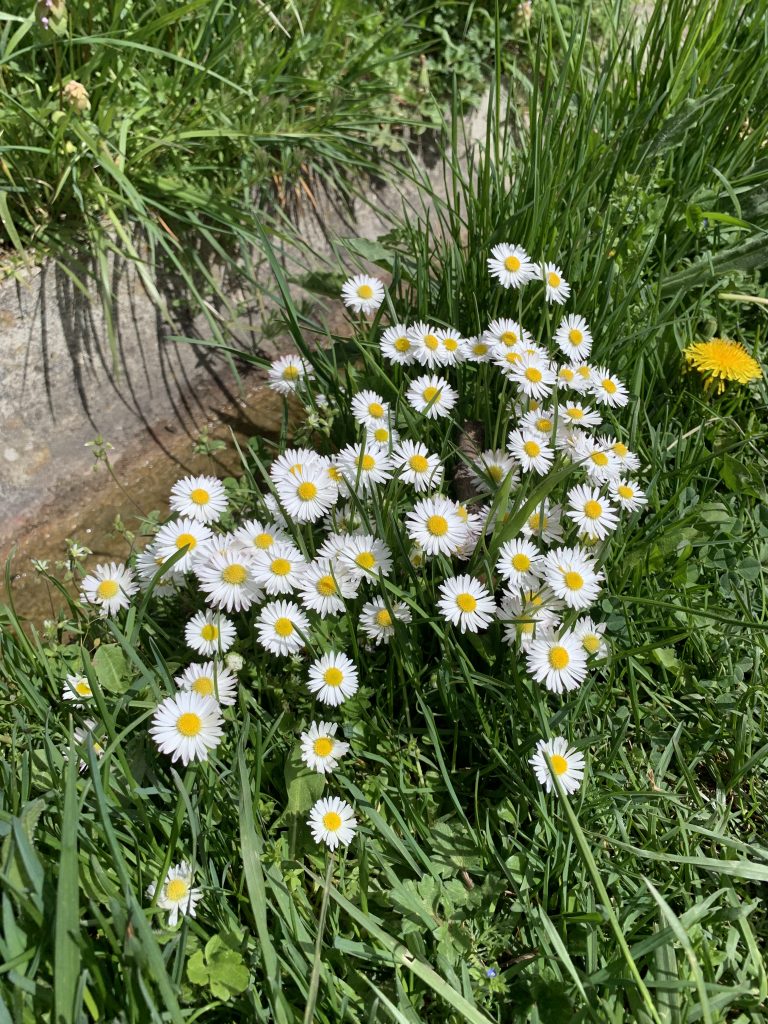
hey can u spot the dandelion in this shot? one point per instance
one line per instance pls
(396, 345)
(377, 619)
(229, 580)
(573, 338)
(209, 633)
(281, 627)
(177, 895)
(721, 361)
(416, 466)
(280, 568)
(363, 294)
(558, 662)
(557, 288)
(627, 494)
(187, 727)
(592, 513)
(566, 763)
(286, 373)
(431, 395)
(467, 603)
(510, 265)
(435, 526)
(111, 587)
(209, 679)
(333, 678)
(199, 497)
(77, 689)
(531, 451)
(332, 821)
(320, 750)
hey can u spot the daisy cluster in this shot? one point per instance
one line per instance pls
(315, 548)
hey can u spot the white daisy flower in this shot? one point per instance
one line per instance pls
(286, 373)
(556, 287)
(362, 468)
(209, 679)
(333, 678)
(506, 334)
(426, 344)
(627, 461)
(467, 603)
(533, 376)
(187, 726)
(567, 764)
(77, 689)
(323, 587)
(396, 346)
(377, 619)
(177, 895)
(474, 520)
(544, 525)
(280, 568)
(332, 821)
(452, 347)
(209, 633)
(572, 575)
(594, 515)
(431, 395)
(531, 451)
(558, 662)
(435, 526)
(370, 409)
(608, 389)
(308, 493)
(538, 421)
(287, 464)
(510, 265)
(111, 587)
(591, 634)
(573, 338)
(476, 350)
(229, 581)
(415, 465)
(567, 377)
(599, 462)
(576, 415)
(526, 616)
(82, 734)
(518, 564)
(182, 533)
(496, 464)
(627, 494)
(362, 294)
(379, 437)
(148, 563)
(259, 536)
(506, 359)
(199, 497)
(320, 750)
(281, 627)
(364, 557)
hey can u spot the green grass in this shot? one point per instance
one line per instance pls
(641, 898)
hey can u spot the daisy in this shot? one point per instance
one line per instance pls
(533, 376)
(176, 893)
(280, 568)
(285, 374)
(187, 726)
(209, 633)
(148, 564)
(434, 525)
(510, 265)
(363, 556)
(199, 497)
(320, 750)
(308, 493)
(82, 735)
(426, 344)
(332, 821)
(452, 349)
(506, 359)
(333, 678)
(379, 437)
(599, 462)
(474, 522)
(209, 679)
(592, 636)
(626, 460)
(556, 287)
(323, 587)
(531, 451)
(77, 689)
(431, 395)
(229, 581)
(370, 409)
(182, 533)
(575, 414)
(506, 334)
(573, 338)
(417, 466)
(477, 350)
(466, 602)
(292, 461)
(495, 464)
(608, 389)
(396, 346)
(627, 493)
(526, 616)
(558, 662)
(281, 627)
(259, 536)
(540, 421)
(567, 765)
(377, 619)
(111, 587)
(569, 378)
(544, 525)
(572, 575)
(362, 468)
(518, 564)
(362, 294)
(593, 514)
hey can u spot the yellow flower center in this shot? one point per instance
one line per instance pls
(532, 449)
(189, 724)
(331, 821)
(559, 764)
(593, 510)
(235, 574)
(333, 676)
(322, 746)
(479, 349)
(365, 291)
(450, 344)
(376, 410)
(431, 342)
(307, 491)
(466, 602)
(280, 567)
(204, 686)
(437, 526)
(567, 374)
(176, 890)
(574, 412)
(367, 463)
(609, 386)
(209, 632)
(326, 586)
(82, 688)
(625, 492)
(544, 425)
(108, 589)
(283, 626)
(591, 643)
(512, 357)
(402, 344)
(200, 496)
(599, 458)
(534, 522)
(509, 338)
(365, 560)
(574, 580)
(290, 372)
(553, 280)
(418, 463)
(381, 435)
(263, 541)
(495, 472)
(621, 450)
(521, 562)
(583, 371)
(533, 374)
(575, 337)
(512, 264)
(186, 540)
(430, 393)
(559, 657)
(383, 618)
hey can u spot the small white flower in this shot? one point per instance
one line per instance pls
(370, 409)
(417, 466)
(280, 568)
(435, 525)
(362, 294)
(627, 461)
(556, 287)
(627, 494)
(111, 587)
(560, 663)
(594, 515)
(592, 636)
(320, 750)
(544, 525)
(539, 421)
(452, 347)
(199, 497)
(286, 373)
(511, 265)
(431, 395)
(527, 615)
(425, 340)
(229, 580)
(567, 764)
(187, 726)
(209, 633)
(209, 679)
(518, 564)
(495, 464)
(531, 451)
(533, 376)
(287, 464)
(324, 586)
(77, 689)
(567, 377)
(333, 678)
(281, 627)
(467, 603)
(148, 564)
(572, 575)
(506, 333)
(396, 345)
(599, 461)
(182, 533)
(382, 437)
(259, 536)
(308, 493)
(377, 619)
(362, 468)
(82, 734)
(365, 557)
(608, 389)
(177, 895)
(576, 415)
(332, 821)
(478, 350)
(573, 338)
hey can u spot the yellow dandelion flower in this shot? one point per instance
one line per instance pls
(721, 360)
